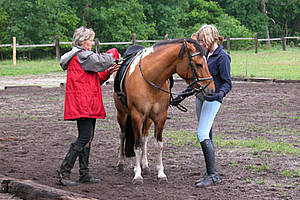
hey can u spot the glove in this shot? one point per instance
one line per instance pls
(114, 52)
(214, 96)
(186, 93)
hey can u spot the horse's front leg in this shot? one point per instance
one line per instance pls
(158, 135)
(137, 121)
(145, 164)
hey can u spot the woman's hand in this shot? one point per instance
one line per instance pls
(113, 68)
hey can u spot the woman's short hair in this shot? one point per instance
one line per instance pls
(210, 34)
(81, 35)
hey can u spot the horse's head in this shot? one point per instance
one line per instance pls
(192, 66)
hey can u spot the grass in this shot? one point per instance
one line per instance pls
(44, 66)
(182, 137)
(260, 144)
(273, 63)
(260, 168)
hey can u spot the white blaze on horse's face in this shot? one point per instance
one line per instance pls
(140, 56)
(204, 59)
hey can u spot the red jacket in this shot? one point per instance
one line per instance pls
(83, 98)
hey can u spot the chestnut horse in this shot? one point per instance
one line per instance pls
(148, 96)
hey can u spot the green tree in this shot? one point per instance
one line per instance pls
(4, 38)
(38, 21)
(199, 12)
(166, 16)
(284, 17)
(115, 20)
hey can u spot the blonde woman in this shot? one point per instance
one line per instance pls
(207, 106)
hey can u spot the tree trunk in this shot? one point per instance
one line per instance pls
(264, 11)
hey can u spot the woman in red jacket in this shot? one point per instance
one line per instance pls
(86, 71)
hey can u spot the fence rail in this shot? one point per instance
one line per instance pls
(57, 43)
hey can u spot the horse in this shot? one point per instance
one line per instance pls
(148, 97)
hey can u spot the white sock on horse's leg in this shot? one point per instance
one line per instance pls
(145, 164)
(160, 167)
(137, 168)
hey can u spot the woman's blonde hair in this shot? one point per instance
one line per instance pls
(210, 34)
(81, 35)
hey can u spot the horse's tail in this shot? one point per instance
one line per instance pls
(129, 139)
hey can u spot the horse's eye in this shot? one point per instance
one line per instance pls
(198, 65)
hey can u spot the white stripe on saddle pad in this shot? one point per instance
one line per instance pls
(142, 54)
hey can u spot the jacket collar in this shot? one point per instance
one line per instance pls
(217, 51)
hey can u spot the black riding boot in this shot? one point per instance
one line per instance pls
(63, 175)
(84, 167)
(211, 177)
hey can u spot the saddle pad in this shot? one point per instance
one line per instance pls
(132, 61)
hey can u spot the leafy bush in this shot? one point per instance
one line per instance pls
(229, 26)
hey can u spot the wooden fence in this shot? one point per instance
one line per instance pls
(134, 41)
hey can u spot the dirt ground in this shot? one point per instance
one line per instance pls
(34, 140)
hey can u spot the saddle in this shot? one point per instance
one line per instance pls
(129, 56)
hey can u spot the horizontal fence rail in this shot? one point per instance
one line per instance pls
(57, 43)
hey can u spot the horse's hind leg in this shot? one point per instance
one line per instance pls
(121, 117)
(145, 165)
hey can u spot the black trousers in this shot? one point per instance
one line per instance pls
(86, 129)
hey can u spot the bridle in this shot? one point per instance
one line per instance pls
(195, 77)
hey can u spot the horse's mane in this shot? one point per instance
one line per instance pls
(181, 40)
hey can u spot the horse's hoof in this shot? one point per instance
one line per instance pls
(163, 180)
(137, 181)
(121, 167)
(146, 171)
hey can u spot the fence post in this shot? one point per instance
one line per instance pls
(133, 38)
(283, 39)
(14, 51)
(57, 48)
(97, 46)
(228, 44)
(166, 37)
(256, 43)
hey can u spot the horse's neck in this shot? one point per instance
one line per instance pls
(162, 64)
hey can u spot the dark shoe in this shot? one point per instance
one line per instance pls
(201, 179)
(64, 179)
(88, 179)
(209, 180)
